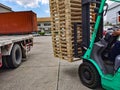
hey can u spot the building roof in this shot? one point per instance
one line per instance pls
(114, 5)
(46, 19)
(6, 7)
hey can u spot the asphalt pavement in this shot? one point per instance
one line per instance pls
(42, 71)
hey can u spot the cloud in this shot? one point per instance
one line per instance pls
(44, 1)
(47, 11)
(30, 3)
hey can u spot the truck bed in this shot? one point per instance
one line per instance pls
(5, 40)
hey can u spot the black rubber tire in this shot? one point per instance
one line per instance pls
(24, 53)
(15, 58)
(4, 62)
(89, 76)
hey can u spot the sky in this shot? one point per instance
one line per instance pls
(40, 7)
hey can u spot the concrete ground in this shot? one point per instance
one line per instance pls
(42, 71)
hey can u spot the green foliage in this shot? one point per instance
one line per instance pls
(108, 24)
(42, 33)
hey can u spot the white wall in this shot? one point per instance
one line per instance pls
(112, 15)
(4, 10)
(42, 26)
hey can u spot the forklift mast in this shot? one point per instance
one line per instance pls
(86, 22)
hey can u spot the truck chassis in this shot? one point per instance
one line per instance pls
(13, 49)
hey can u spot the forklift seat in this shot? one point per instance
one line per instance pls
(117, 63)
(97, 54)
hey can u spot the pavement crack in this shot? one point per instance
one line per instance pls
(58, 76)
(38, 66)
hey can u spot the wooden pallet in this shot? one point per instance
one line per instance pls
(92, 14)
(55, 27)
(64, 13)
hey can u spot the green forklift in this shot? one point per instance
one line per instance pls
(95, 71)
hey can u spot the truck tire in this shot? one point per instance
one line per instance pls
(24, 54)
(15, 57)
(89, 76)
(4, 62)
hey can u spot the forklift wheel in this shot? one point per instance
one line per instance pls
(89, 75)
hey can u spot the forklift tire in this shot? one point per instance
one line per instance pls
(15, 57)
(89, 76)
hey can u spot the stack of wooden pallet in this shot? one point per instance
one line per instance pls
(55, 27)
(65, 14)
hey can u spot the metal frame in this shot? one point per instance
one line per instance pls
(100, 31)
(86, 22)
(76, 44)
(86, 27)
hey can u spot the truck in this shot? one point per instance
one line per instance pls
(15, 37)
(13, 49)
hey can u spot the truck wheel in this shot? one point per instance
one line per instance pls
(15, 57)
(4, 62)
(24, 54)
(89, 76)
